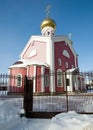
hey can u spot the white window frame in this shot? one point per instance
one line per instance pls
(46, 80)
(66, 54)
(66, 64)
(59, 62)
(19, 82)
(59, 78)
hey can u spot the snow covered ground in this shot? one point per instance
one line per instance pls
(10, 120)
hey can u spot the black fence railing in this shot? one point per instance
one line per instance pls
(78, 102)
(15, 84)
(9, 84)
(48, 106)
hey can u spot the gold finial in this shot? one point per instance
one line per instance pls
(48, 22)
(48, 10)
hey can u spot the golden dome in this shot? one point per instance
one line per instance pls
(48, 23)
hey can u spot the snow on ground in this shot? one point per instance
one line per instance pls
(10, 120)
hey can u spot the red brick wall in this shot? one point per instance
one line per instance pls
(12, 83)
(59, 47)
(38, 79)
(30, 70)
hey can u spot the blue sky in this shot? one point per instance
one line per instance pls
(20, 19)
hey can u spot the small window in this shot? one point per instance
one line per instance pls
(59, 61)
(19, 80)
(66, 64)
(59, 78)
(66, 54)
(48, 33)
(46, 80)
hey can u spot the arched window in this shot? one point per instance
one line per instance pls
(59, 61)
(19, 80)
(66, 64)
(65, 53)
(48, 33)
(46, 80)
(59, 78)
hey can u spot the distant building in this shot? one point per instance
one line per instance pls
(51, 56)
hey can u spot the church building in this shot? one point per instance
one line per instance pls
(47, 58)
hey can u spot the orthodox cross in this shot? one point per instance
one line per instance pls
(70, 35)
(48, 10)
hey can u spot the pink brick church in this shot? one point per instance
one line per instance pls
(48, 55)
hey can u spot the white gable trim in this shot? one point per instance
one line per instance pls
(31, 41)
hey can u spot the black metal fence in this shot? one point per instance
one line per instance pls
(8, 85)
(78, 102)
(12, 84)
(48, 106)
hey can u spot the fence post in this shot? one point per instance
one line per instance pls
(28, 96)
(66, 90)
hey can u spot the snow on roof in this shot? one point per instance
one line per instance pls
(24, 63)
(72, 70)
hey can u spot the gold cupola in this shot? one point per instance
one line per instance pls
(48, 27)
(48, 22)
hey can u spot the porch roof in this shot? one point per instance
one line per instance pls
(25, 63)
